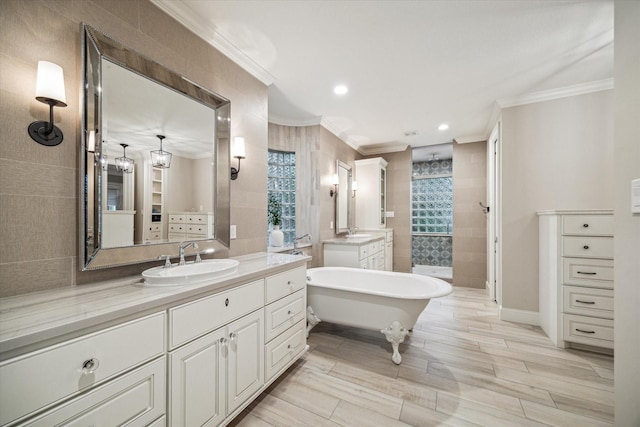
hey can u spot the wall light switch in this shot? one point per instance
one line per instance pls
(390, 214)
(232, 232)
(331, 225)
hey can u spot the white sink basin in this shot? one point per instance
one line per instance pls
(359, 236)
(189, 274)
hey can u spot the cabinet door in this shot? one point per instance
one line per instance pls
(245, 358)
(197, 382)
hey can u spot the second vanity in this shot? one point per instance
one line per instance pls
(121, 352)
(366, 252)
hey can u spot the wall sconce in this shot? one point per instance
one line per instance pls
(160, 158)
(103, 159)
(238, 153)
(335, 181)
(124, 163)
(49, 90)
(354, 188)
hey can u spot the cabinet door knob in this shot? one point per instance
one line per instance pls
(585, 225)
(232, 336)
(585, 247)
(226, 302)
(90, 366)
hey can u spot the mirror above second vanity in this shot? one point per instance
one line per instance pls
(343, 197)
(154, 159)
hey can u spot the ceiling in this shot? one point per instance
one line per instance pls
(409, 65)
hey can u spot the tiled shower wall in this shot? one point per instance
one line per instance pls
(432, 249)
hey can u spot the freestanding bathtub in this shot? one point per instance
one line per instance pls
(369, 299)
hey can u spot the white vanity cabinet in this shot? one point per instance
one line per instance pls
(204, 355)
(213, 375)
(371, 197)
(357, 253)
(43, 378)
(576, 277)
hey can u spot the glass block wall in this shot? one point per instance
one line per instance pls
(432, 213)
(281, 182)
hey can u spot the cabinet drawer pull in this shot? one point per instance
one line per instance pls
(585, 247)
(226, 302)
(585, 225)
(585, 302)
(587, 272)
(289, 313)
(585, 332)
(90, 366)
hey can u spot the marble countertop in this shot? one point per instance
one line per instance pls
(28, 321)
(352, 241)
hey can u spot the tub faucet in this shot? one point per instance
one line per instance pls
(295, 250)
(182, 247)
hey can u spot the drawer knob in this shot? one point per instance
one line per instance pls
(226, 302)
(289, 313)
(585, 332)
(90, 366)
(587, 272)
(289, 346)
(585, 302)
(585, 247)
(585, 225)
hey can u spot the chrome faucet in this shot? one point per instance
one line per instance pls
(295, 250)
(182, 247)
(352, 230)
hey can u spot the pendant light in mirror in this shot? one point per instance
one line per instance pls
(160, 158)
(124, 163)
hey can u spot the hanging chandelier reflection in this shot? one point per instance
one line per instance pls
(160, 158)
(124, 163)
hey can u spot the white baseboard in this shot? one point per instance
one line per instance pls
(520, 316)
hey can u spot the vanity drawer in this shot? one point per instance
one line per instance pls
(283, 284)
(597, 273)
(283, 314)
(177, 218)
(284, 349)
(177, 228)
(135, 399)
(197, 229)
(38, 379)
(374, 247)
(364, 251)
(197, 218)
(587, 247)
(588, 301)
(196, 318)
(591, 225)
(588, 330)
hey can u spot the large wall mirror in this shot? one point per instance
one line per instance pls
(154, 159)
(343, 198)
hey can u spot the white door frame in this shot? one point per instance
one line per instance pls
(494, 190)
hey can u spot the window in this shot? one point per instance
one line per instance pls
(432, 198)
(281, 182)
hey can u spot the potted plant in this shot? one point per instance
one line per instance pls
(274, 215)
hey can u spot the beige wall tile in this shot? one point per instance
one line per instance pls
(31, 276)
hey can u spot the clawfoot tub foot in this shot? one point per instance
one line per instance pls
(395, 334)
(312, 319)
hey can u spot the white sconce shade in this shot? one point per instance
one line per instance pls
(335, 180)
(50, 91)
(239, 153)
(354, 186)
(238, 147)
(50, 84)
(91, 143)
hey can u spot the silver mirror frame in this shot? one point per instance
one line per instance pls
(344, 192)
(91, 256)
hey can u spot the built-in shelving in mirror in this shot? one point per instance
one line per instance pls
(131, 107)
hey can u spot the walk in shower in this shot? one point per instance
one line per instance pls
(432, 211)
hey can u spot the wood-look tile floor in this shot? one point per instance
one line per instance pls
(461, 366)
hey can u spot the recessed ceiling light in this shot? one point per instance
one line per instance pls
(443, 126)
(340, 90)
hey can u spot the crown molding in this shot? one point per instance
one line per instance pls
(469, 139)
(369, 150)
(337, 131)
(551, 94)
(194, 23)
(285, 121)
